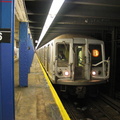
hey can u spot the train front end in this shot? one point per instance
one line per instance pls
(80, 61)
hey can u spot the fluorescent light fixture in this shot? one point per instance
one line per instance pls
(55, 7)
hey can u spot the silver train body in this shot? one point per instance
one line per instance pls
(75, 60)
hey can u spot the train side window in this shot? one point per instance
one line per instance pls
(63, 55)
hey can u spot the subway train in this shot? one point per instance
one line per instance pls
(75, 60)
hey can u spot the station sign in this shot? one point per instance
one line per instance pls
(5, 35)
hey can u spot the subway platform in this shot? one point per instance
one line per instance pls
(36, 102)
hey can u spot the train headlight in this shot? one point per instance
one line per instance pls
(94, 73)
(95, 53)
(66, 73)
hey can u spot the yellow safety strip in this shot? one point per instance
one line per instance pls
(63, 112)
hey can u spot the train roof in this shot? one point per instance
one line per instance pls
(63, 36)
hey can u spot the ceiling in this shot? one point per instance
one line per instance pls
(86, 17)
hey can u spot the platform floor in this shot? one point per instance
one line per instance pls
(34, 102)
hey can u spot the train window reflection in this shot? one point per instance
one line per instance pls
(63, 55)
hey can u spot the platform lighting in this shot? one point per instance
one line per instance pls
(55, 7)
(36, 41)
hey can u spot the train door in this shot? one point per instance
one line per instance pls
(79, 59)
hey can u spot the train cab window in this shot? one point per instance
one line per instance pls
(63, 55)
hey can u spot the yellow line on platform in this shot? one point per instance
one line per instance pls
(63, 112)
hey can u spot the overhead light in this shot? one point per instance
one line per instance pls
(55, 7)
(36, 41)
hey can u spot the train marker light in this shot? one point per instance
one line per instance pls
(60, 72)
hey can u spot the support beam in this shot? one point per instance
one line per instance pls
(7, 111)
(23, 55)
(30, 51)
(113, 62)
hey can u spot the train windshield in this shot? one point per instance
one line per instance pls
(63, 55)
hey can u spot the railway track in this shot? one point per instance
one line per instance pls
(105, 108)
(76, 108)
(100, 108)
